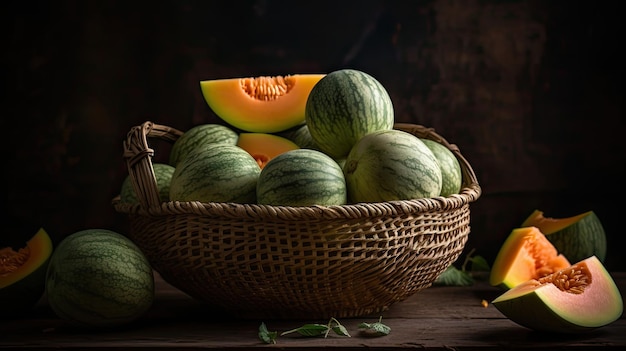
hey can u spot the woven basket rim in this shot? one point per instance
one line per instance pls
(138, 155)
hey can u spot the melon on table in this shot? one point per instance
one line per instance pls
(525, 254)
(576, 299)
(576, 237)
(98, 279)
(23, 274)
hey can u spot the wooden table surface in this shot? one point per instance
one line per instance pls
(437, 318)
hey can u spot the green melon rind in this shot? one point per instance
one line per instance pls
(199, 135)
(301, 136)
(452, 176)
(216, 173)
(163, 174)
(344, 106)
(98, 278)
(302, 177)
(581, 240)
(391, 165)
(534, 311)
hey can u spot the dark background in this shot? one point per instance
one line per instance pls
(531, 91)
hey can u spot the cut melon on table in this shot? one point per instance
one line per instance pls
(525, 254)
(577, 299)
(577, 237)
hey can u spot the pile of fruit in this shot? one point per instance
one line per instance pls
(302, 140)
(544, 291)
(94, 278)
(307, 140)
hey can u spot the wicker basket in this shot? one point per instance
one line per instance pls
(280, 262)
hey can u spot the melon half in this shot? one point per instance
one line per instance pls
(576, 237)
(525, 254)
(260, 104)
(580, 298)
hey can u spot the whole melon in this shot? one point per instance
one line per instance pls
(452, 178)
(199, 135)
(301, 136)
(98, 278)
(391, 165)
(216, 173)
(344, 106)
(302, 177)
(163, 174)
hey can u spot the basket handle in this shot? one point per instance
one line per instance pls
(138, 156)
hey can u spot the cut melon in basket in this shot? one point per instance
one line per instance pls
(580, 298)
(525, 254)
(264, 147)
(260, 104)
(576, 237)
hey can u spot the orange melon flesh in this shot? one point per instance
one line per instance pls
(549, 225)
(230, 101)
(543, 305)
(525, 254)
(264, 147)
(39, 248)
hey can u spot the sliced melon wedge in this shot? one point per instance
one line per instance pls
(525, 254)
(576, 237)
(23, 274)
(264, 147)
(260, 104)
(580, 298)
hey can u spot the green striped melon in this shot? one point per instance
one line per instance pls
(199, 135)
(391, 165)
(163, 174)
(576, 237)
(301, 136)
(301, 177)
(344, 106)
(216, 173)
(97, 278)
(452, 177)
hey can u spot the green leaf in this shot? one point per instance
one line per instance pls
(341, 330)
(452, 276)
(479, 264)
(374, 329)
(311, 329)
(267, 336)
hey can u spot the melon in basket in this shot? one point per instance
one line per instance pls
(199, 135)
(391, 165)
(302, 177)
(163, 175)
(344, 106)
(216, 173)
(298, 262)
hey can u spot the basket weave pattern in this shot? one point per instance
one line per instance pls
(295, 262)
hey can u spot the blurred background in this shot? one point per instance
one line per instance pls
(532, 92)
